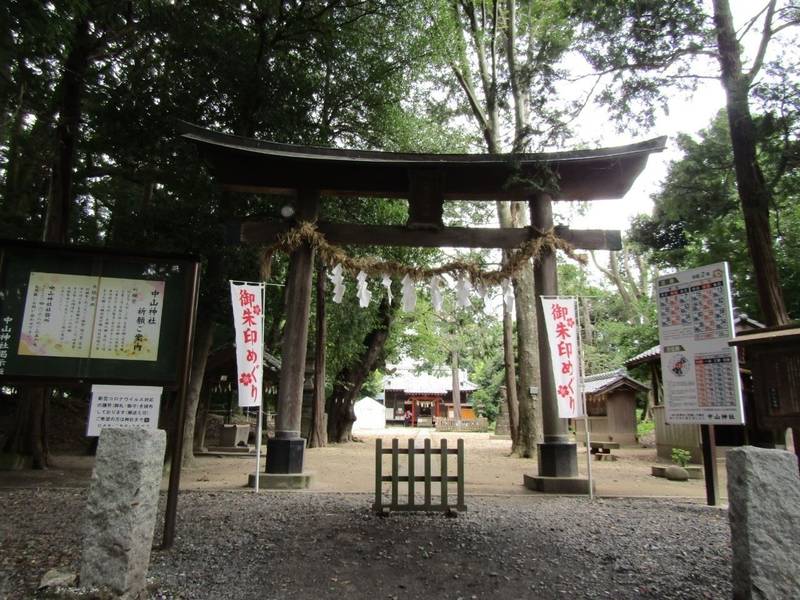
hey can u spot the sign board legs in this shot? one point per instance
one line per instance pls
(709, 443)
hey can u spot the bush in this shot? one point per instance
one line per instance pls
(681, 457)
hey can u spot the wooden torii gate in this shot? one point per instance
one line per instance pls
(426, 181)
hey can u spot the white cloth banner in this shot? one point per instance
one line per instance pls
(561, 322)
(123, 407)
(436, 293)
(248, 321)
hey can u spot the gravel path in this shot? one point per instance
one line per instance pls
(239, 545)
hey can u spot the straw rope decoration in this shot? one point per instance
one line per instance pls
(331, 255)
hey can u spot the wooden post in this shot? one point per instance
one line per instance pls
(557, 455)
(443, 471)
(378, 474)
(427, 471)
(709, 442)
(411, 472)
(395, 471)
(461, 475)
(285, 451)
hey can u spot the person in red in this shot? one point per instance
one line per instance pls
(408, 418)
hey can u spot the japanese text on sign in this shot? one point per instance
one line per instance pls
(562, 337)
(248, 321)
(123, 407)
(700, 370)
(82, 316)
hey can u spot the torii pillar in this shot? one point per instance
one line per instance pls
(284, 469)
(557, 454)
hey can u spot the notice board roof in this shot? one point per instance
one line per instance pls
(248, 164)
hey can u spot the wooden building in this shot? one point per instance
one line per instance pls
(426, 397)
(611, 405)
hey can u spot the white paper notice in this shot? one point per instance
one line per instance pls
(700, 370)
(248, 322)
(123, 407)
(81, 316)
(562, 338)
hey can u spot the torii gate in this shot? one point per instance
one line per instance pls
(427, 181)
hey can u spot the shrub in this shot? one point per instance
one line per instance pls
(681, 457)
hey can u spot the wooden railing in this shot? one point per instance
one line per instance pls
(411, 478)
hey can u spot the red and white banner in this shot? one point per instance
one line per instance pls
(248, 320)
(561, 322)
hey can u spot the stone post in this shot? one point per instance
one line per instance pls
(121, 510)
(764, 514)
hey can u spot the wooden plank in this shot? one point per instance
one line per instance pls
(433, 478)
(443, 471)
(411, 479)
(395, 471)
(266, 232)
(460, 478)
(378, 474)
(427, 471)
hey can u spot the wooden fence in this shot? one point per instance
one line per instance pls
(411, 478)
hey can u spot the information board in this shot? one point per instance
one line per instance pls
(123, 407)
(700, 371)
(71, 313)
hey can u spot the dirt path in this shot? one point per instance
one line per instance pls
(350, 468)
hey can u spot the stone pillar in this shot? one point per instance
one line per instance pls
(121, 510)
(558, 454)
(764, 514)
(285, 450)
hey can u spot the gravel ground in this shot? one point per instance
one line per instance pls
(239, 545)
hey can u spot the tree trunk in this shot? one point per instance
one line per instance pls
(754, 195)
(509, 360)
(204, 335)
(456, 387)
(318, 435)
(350, 379)
(530, 410)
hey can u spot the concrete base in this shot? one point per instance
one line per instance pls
(558, 459)
(285, 455)
(557, 485)
(280, 481)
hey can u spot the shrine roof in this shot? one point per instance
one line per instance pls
(248, 164)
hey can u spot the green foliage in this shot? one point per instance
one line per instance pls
(681, 457)
(697, 219)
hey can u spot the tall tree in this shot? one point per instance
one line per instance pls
(650, 48)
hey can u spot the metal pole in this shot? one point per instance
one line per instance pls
(583, 397)
(261, 397)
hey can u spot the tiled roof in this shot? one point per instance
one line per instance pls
(425, 383)
(594, 384)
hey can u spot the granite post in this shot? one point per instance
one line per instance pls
(121, 510)
(764, 514)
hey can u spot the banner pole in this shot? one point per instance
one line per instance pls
(261, 396)
(583, 400)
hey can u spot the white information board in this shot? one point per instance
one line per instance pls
(561, 321)
(700, 370)
(123, 407)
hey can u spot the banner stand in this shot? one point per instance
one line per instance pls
(583, 400)
(262, 293)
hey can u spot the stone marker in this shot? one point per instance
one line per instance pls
(676, 473)
(764, 513)
(121, 510)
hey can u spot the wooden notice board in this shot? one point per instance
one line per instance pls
(82, 314)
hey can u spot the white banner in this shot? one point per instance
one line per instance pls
(561, 322)
(700, 370)
(123, 407)
(248, 321)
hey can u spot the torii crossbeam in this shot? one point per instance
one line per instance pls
(427, 181)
